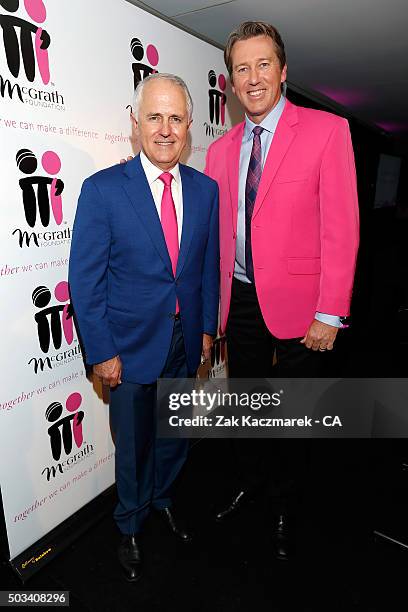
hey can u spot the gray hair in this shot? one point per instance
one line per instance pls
(176, 80)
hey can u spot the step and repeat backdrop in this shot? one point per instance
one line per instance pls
(67, 74)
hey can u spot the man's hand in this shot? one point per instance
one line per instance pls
(320, 336)
(207, 344)
(109, 371)
(129, 158)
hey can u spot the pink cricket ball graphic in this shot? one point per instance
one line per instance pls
(152, 55)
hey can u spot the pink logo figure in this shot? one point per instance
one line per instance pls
(217, 99)
(62, 432)
(141, 71)
(54, 320)
(32, 53)
(44, 201)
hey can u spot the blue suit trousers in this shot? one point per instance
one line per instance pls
(145, 466)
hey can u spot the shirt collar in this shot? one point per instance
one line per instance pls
(269, 123)
(152, 172)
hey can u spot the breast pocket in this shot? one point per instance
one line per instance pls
(292, 178)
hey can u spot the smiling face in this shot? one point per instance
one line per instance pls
(257, 76)
(162, 123)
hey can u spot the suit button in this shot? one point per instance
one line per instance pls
(229, 274)
(234, 236)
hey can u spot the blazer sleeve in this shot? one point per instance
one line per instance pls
(88, 272)
(339, 219)
(210, 287)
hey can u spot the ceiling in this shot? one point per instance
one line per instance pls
(354, 52)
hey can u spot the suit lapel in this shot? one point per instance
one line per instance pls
(233, 158)
(282, 140)
(138, 191)
(190, 198)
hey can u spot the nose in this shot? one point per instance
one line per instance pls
(165, 129)
(253, 76)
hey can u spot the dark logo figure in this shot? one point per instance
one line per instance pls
(217, 99)
(67, 429)
(52, 321)
(141, 71)
(218, 352)
(42, 198)
(34, 41)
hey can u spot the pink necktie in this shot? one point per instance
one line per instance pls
(169, 222)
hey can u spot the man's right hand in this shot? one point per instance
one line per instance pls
(129, 158)
(109, 371)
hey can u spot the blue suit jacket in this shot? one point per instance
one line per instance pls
(122, 286)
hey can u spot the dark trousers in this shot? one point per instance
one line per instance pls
(145, 466)
(278, 465)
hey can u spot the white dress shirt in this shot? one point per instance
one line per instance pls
(152, 173)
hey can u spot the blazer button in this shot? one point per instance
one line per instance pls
(234, 236)
(229, 274)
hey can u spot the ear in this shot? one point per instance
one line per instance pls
(135, 124)
(189, 124)
(284, 73)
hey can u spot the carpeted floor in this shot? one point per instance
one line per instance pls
(337, 566)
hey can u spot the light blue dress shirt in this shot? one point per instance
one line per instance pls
(269, 124)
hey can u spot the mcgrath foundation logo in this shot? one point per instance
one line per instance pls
(217, 101)
(26, 45)
(218, 357)
(55, 328)
(140, 69)
(68, 429)
(41, 200)
(34, 40)
(66, 435)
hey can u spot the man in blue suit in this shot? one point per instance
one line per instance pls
(144, 278)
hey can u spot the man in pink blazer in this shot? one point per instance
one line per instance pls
(288, 239)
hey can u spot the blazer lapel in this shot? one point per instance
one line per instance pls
(282, 140)
(138, 191)
(233, 157)
(190, 199)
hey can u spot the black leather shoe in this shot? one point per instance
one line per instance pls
(237, 502)
(130, 558)
(280, 539)
(168, 517)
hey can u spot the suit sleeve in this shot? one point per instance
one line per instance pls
(210, 287)
(339, 222)
(88, 271)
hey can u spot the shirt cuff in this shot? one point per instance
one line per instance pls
(333, 320)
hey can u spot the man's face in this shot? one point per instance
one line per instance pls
(257, 76)
(162, 123)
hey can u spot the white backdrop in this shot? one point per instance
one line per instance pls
(55, 130)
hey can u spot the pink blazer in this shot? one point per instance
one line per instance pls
(305, 221)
